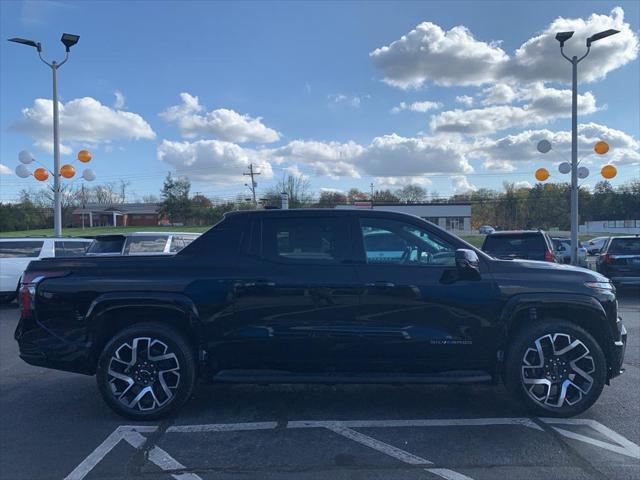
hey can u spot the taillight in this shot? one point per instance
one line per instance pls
(606, 258)
(548, 256)
(28, 286)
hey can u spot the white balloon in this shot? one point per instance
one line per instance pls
(88, 175)
(544, 146)
(564, 167)
(22, 171)
(25, 157)
(583, 172)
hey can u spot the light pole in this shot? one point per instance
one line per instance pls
(69, 40)
(563, 37)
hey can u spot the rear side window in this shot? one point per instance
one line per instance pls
(20, 249)
(71, 249)
(319, 240)
(145, 244)
(520, 245)
(177, 244)
(625, 246)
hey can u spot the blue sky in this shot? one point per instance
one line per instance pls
(450, 95)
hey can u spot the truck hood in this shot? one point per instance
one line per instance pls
(555, 271)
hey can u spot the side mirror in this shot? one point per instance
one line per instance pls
(468, 263)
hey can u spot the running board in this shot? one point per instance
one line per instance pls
(271, 376)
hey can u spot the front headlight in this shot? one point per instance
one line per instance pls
(599, 285)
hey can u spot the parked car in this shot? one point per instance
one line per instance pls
(16, 253)
(562, 248)
(525, 244)
(486, 229)
(595, 245)
(620, 260)
(297, 296)
(140, 243)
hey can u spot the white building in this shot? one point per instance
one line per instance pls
(611, 226)
(455, 217)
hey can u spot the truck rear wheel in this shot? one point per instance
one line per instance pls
(556, 368)
(146, 371)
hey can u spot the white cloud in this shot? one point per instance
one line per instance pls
(224, 124)
(417, 106)
(465, 100)
(461, 184)
(522, 184)
(544, 105)
(4, 170)
(215, 161)
(455, 57)
(503, 153)
(119, 104)
(332, 159)
(397, 182)
(353, 101)
(83, 120)
(498, 94)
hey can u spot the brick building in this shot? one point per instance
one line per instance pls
(120, 214)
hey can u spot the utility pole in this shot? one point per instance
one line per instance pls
(371, 195)
(251, 173)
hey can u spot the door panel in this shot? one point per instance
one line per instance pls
(418, 315)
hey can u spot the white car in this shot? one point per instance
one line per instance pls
(140, 243)
(16, 253)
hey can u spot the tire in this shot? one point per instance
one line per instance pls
(150, 381)
(572, 361)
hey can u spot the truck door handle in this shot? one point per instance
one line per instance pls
(380, 284)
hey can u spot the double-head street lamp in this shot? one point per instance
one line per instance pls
(562, 37)
(69, 40)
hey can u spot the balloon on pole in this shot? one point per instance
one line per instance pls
(544, 146)
(583, 172)
(609, 171)
(88, 175)
(67, 171)
(25, 157)
(564, 167)
(22, 171)
(542, 174)
(84, 156)
(601, 147)
(41, 174)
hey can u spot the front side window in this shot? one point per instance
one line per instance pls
(395, 242)
(71, 249)
(625, 246)
(20, 249)
(322, 240)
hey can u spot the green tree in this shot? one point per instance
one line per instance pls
(176, 204)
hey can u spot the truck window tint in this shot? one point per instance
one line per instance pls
(625, 246)
(304, 239)
(20, 249)
(146, 244)
(177, 244)
(396, 242)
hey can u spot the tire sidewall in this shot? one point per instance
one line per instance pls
(524, 339)
(176, 343)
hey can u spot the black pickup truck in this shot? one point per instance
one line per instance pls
(324, 296)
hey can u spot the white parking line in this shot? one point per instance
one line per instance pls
(382, 447)
(624, 446)
(222, 427)
(446, 422)
(448, 474)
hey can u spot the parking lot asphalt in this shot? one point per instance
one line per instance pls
(54, 425)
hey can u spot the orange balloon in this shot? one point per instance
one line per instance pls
(41, 174)
(84, 156)
(542, 174)
(601, 147)
(67, 171)
(609, 171)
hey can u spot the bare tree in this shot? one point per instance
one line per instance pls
(412, 194)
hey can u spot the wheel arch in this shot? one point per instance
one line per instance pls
(581, 310)
(110, 313)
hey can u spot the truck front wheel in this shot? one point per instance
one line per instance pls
(556, 368)
(146, 371)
